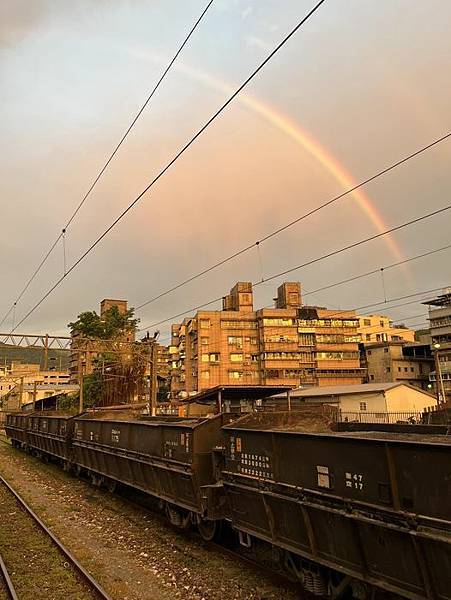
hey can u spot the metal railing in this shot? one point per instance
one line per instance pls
(378, 417)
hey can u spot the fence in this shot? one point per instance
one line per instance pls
(379, 417)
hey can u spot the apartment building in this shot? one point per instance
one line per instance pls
(378, 328)
(285, 345)
(24, 374)
(397, 361)
(440, 328)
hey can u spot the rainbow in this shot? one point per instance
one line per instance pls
(293, 130)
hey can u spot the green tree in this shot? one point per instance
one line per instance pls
(112, 325)
(117, 367)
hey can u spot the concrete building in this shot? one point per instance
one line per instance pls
(398, 362)
(371, 402)
(28, 392)
(378, 328)
(27, 374)
(285, 345)
(440, 328)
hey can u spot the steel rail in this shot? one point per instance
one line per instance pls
(9, 584)
(85, 576)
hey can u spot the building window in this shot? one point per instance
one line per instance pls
(279, 322)
(406, 369)
(381, 323)
(369, 352)
(412, 370)
(235, 374)
(399, 369)
(368, 337)
(212, 357)
(372, 377)
(205, 374)
(204, 341)
(235, 341)
(236, 358)
(367, 322)
(362, 406)
(388, 369)
(204, 323)
(385, 349)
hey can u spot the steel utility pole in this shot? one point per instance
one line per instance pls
(153, 381)
(439, 388)
(80, 382)
(35, 383)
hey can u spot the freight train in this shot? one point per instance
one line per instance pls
(352, 514)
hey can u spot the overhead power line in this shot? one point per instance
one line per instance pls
(110, 158)
(298, 219)
(357, 308)
(374, 271)
(174, 159)
(356, 244)
(323, 257)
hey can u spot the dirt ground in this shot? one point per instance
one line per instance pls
(132, 553)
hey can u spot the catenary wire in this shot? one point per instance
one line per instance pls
(374, 271)
(174, 159)
(297, 220)
(357, 308)
(112, 155)
(356, 244)
(328, 255)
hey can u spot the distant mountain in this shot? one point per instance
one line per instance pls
(58, 359)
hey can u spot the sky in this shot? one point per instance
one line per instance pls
(361, 85)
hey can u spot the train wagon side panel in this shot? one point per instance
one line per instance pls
(167, 460)
(51, 434)
(342, 502)
(16, 428)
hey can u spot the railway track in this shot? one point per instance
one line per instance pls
(7, 590)
(35, 564)
(142, 504)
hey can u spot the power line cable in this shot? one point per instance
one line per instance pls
(356, 244)
(328, 255)
(358, 308)
(175, 158)
(374, 271)
(112, 155)
(297, 220)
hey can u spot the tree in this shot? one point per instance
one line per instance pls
(118, 367)
(111, 325)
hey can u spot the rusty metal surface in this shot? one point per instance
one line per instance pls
(373, 509)
(170, 460)
(15, 427)
(51, 434)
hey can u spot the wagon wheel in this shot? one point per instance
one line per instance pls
(111, 485)
(209, 530)
(177, 516)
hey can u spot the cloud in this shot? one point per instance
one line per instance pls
(18, 18)
(253, 41)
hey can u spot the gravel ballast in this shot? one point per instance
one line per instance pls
(131, 552)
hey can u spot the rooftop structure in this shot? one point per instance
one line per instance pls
(289, 344)
(379, 328)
